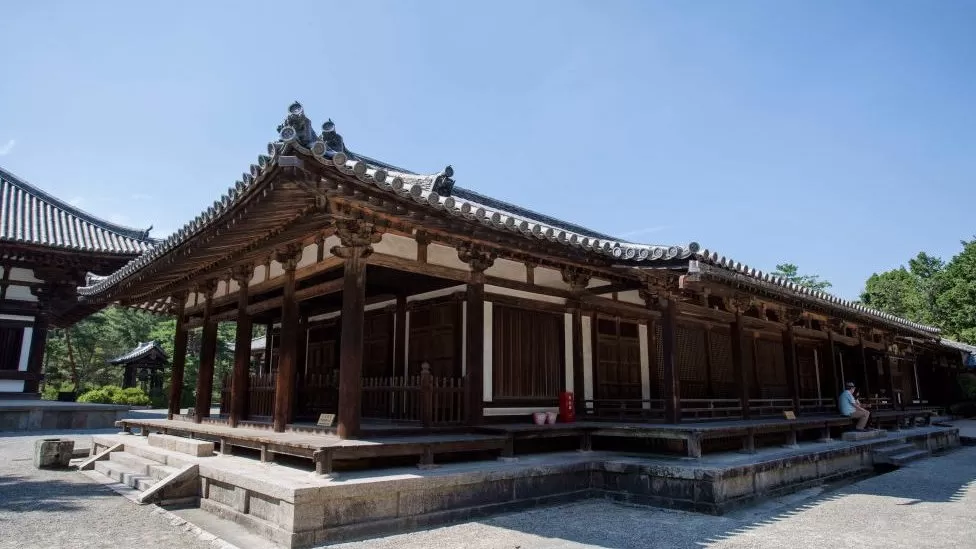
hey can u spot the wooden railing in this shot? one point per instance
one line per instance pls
(878, 403)
(426, 399)
(710, 408)
(623, 409)
(317, 394)
(261, 396)
(817, 405)
(759, 407)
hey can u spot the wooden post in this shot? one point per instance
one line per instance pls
(356, 237)
(479, 260)
(179, 358)
(672, 384)
(739, 370)
(864, 364)
(35, 362)
(287, 352)
(208, 352)
(400, 337)
(889, 380)
(242, 348)
(830, 364)
(578, 281)
(268, 340)
(789, 358)
(426, 396)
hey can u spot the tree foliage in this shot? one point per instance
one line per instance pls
(931, 291)
(791, 272)
(114, 331)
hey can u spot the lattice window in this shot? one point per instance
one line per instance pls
(658, 369)
(691, 361)
(722, 369)
(807, 368)
(618, 368)
(771, 369)
(527, 353)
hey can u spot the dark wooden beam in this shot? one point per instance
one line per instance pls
(179, 358)
(287, 351)
(208, 353)
(614, 288)
(36, 358)
(830, 365)
(789, 359)
(242, 350)
(356, 237)
(740, 370)
(864, 364)
(672, 389)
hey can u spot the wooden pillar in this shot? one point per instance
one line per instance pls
(287, 351)
(889, 378)
(739, 369)
(208, 353)
(789, 358)
(400, 337)
(35, 363)
(239, 391)
(179, 358)
(578, 281)
(478, 260)
(268, 341)
(830, 365)
(672, 385)
(864, 364)
(356, 237)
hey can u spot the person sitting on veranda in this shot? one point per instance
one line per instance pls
(850, 407)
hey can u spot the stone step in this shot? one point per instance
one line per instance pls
(857, 436)
(903, 458)
(122, 473)
(155, 454)
(133, 462)
(193, 447)
(894, 449)
(159, 472)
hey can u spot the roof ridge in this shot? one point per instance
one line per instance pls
(129, 232)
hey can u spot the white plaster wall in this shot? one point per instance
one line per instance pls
(260, 275)
(331, 241)
(23, 275)
(630, 296)
(11, 386)
(233, 287)
(549, 278)
(568, 349)
(276, 270)
(221, 290)
(595, 282)
(645, 362)
(399, 246)
(587, 359)
(524, 295)
(487, 355)
(25, 345)
(518, 411)
(19, 318)
(439, 254)
(310, 255)
(507, 269)
(20, 293)
(191, 300)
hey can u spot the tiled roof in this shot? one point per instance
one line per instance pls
(709, 258)
(141, 351)
(29, 215)
(971, 349)
(438, 191)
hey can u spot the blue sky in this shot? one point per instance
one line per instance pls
(840, 136)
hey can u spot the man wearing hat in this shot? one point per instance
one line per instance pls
(851, 408)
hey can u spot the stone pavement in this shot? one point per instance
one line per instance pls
(53, 509)
(931, 503)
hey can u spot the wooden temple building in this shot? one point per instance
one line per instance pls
(46, 248)
(397, 296)
(142, 366)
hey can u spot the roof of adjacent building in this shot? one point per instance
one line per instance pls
(438, 192)
(150, 350)
(31, 216)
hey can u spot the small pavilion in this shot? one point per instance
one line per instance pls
(144, 367)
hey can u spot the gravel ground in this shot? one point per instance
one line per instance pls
(55, 509)
(931, 503)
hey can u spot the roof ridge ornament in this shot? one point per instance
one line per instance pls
(443, 183)
(297, 126)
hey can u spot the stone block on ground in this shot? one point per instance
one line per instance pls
(857, 436)
(183, 445)
(53, 452)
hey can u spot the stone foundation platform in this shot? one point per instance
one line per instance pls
(43, 415)
(297, 508)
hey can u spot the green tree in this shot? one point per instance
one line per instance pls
(896, 292)
(790, 272)
(954, 294)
